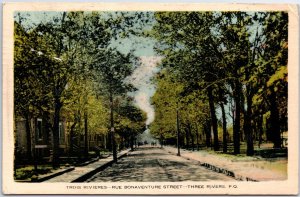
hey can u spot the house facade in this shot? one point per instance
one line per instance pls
(40, 139)
(42, 143)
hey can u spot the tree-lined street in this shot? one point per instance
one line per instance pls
(89, 85)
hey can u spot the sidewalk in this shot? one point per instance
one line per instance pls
(241, 168)
(81, 173)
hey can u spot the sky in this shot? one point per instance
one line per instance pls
(141, 79)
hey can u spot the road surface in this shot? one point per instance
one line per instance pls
(152, 164)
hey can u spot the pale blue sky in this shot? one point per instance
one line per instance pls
(142, 46)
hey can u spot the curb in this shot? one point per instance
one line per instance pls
(53, 175)
(218, 169)
(88, 162)
(47, 177)
(96, 170)
(226, 172)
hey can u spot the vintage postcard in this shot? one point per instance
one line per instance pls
(150, 98)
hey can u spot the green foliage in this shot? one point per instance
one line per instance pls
(65, 69)
(278, 77)
(130, 120)
(240, 56)
(29, 172)
(168, 98)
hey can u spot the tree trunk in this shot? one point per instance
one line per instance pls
(191, 136)
(112, 129)
(108, 142)
(71, 151)
(193, 142)
(55, 132)
(232, 112)
(86, 148)
(128, 141)
(260, 129)
(207, 134)
(274, 119)
(243, 112)
(131, 142)
(224, 128)
(213, 118)
(248, 126)
(236, 129)
(187, 139)
(161, 140)
(178, 132)
(197, 137)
